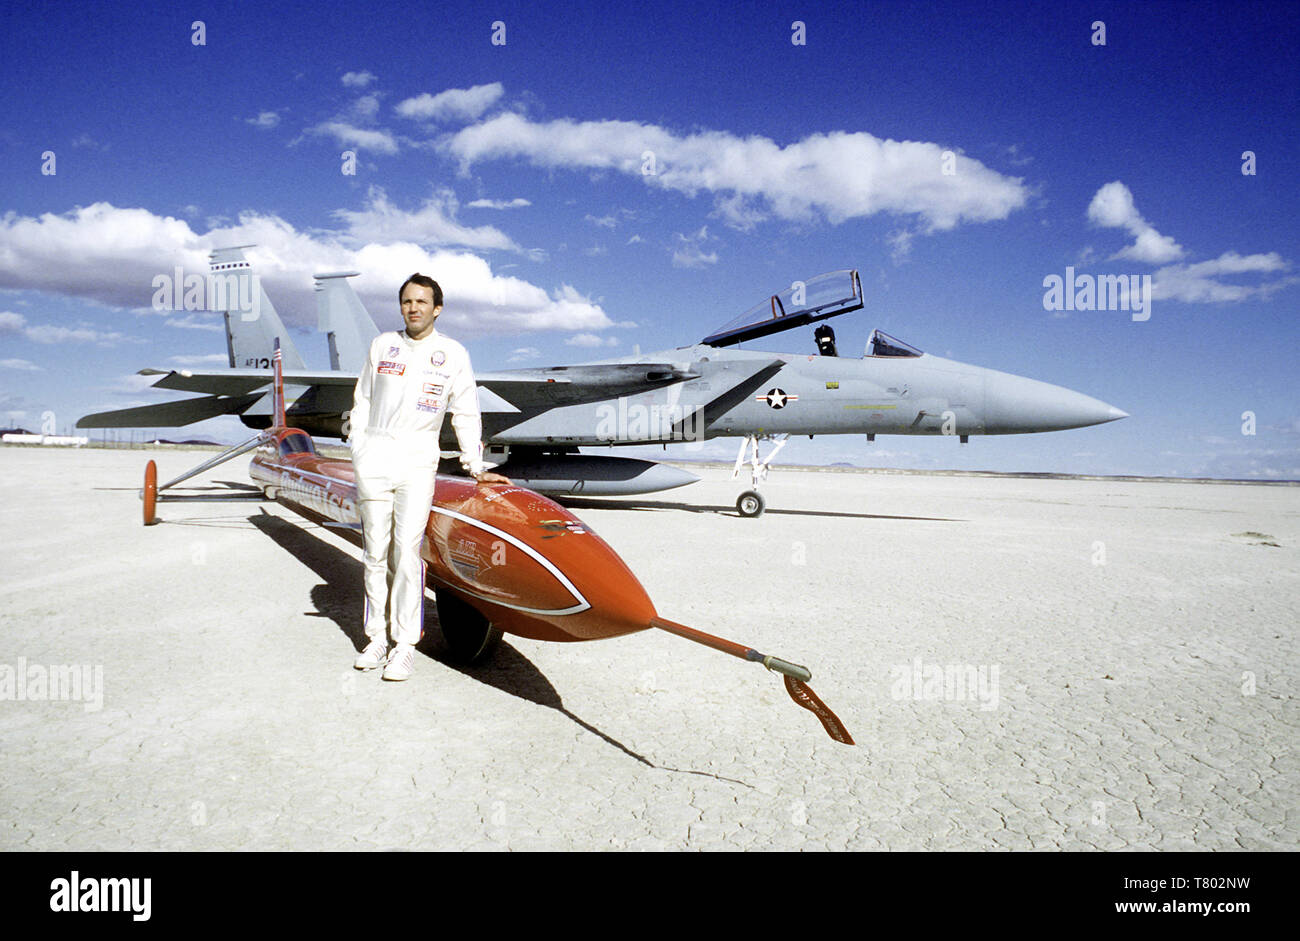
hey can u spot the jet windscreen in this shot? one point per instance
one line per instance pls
(882, 344)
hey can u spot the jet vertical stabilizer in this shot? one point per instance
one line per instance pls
(344, 320)
(252, 324)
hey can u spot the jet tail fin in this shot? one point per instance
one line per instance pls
(344, 320)
(251, 321)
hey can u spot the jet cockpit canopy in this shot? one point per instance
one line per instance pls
(804, 302)
(882, 344)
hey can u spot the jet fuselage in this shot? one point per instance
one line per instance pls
(743, 392)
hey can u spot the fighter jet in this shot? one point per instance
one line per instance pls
(535, 420)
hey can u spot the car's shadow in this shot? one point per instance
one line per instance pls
(340, 598)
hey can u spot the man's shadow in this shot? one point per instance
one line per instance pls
(341, 598)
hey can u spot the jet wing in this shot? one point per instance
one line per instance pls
(744, 380)
(242, 381)
(170, 414)
(232, 391)
(552, 386)
(544, 387)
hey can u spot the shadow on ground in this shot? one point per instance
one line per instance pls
(614, 503)
(340, 598)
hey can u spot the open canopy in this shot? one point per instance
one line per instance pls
(804, 302)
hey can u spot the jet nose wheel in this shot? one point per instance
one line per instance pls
(750, 503)
(469, 635)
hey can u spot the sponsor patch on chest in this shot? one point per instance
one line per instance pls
(389, 368)
(432, 388)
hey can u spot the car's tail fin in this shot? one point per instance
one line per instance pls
(252, 325)
(344, 320)
(277, 389)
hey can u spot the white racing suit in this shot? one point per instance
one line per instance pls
(401, 395)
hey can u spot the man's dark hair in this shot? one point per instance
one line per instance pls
(424, 281)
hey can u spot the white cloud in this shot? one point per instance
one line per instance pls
(455, 104)
(516, 203)
(353, 127)
(194, 321)
(1197, 283)
(900, 244)
(349, 135)
(118, 252)
(837, 175)
(264, 119)
(115, 253)
(16, 325)
(366, 107)
(211, 359)
(433, 223)
(357, 79)
(1014, 154)
(523, 354)
(590, 340)
(1112, 207)
(604, 222)
(20, 364)
(688, 251)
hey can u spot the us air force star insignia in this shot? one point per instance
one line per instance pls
(393, 351)
(776, 398)
(438, 358)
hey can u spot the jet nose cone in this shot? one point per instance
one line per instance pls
(1018, 405)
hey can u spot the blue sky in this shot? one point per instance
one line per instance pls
(514, 173)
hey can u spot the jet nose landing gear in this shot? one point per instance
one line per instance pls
(751, 503)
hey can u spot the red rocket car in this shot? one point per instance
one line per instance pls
(500, 558)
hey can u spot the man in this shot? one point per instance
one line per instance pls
(409, 381)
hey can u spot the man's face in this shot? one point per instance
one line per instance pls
(418, 310)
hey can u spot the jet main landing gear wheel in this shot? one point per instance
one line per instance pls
(750, 503)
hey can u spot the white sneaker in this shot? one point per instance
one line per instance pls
(401, 663)
(373, 656)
